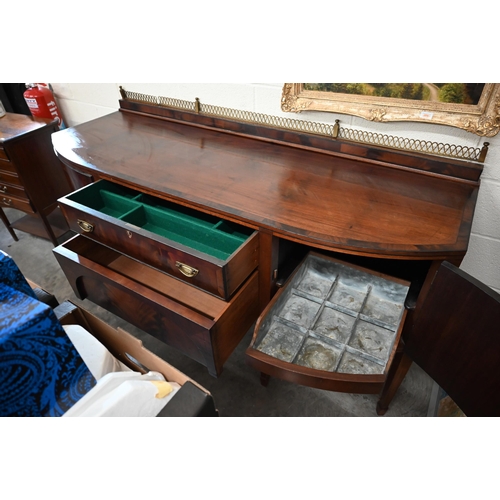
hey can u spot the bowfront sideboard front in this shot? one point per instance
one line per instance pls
(189, 224)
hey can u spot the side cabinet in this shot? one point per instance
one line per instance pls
(32, 178)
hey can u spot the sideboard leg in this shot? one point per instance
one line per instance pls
(48, 229)
(264, 379)
(396, 375)
(5, 220)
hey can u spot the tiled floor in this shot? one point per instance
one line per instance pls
(237, 392)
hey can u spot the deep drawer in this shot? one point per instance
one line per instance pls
(197, 248)
(204, 327)
(333, 326)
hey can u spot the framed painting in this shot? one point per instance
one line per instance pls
(474, 107)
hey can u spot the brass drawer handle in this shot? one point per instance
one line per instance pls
(3, 189)
(85, 226)
(7, 202)
(186, 270)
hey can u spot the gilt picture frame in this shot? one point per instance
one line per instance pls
(481, 118)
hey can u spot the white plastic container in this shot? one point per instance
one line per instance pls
(125, 394)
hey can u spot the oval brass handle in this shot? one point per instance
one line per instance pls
(3, 189)
(186, 270)
(85, 226)
(8, 202)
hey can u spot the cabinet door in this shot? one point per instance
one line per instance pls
(456, 340)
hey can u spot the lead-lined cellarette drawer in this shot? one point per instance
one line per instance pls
(200, 249)
(333, 326)
(200, 325)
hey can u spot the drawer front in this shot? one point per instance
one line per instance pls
(17, 203)
(7, 166)
(144, 230)
(17, 191)
(205, 328)
(9, 177)
(3, 155)
(333, 326)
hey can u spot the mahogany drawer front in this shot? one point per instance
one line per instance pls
(204, 327)
(144, 228)
(3, 155)
(17, 191)
(7, 166)
(10, 178)
(22, 204)
(333, 326)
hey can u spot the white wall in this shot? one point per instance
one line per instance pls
(83, 102)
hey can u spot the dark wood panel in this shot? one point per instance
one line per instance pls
(40, 171)
(235, 321)
(456, 340)
(447, 166)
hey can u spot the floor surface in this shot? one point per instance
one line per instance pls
(237, 392)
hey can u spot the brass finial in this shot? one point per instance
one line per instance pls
(336, 129)
(484, 151)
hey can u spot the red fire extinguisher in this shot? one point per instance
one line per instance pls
(41, 102)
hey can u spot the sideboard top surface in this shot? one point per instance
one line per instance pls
(329, 201)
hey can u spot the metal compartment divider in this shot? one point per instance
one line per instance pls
(292, 332)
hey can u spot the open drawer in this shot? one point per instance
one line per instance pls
(203, 250)
(204, 327)
(333, 326)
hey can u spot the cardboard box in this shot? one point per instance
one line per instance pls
(191, 400)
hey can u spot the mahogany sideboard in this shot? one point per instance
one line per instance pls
(31, 176)
(396, 213)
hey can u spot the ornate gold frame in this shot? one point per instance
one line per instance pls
(482, 119)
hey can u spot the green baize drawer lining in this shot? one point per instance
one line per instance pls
(197, 230)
